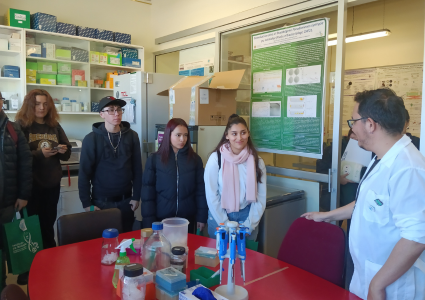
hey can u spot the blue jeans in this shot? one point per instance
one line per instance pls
(241, 215)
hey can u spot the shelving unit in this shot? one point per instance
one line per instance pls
(103, 66)
(72, 62)
(101, 89)
(10, 79)
(57, 86)
(10, 53)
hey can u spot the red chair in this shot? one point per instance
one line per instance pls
(316, 247)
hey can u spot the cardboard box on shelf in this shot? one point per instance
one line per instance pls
(198, 103)
(33, 50)
(122, 38)
(78, 54)
(78, 75)
(132, 62)
(66, 28)
(45, 67)
(48, 50)
(64, 68)
(43, 22)
(10, 71)
(31, 68)
(31, 79)
(129, 53)
(15, 44)
(81, 83)
(63, 53)
(46, 79)
(110, 80)
(62, 79)
(103, 58)
(94, 57)
(17, 18)
(105, 35)
(114, 60)
(86, 32)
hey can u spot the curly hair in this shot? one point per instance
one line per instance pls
(26, 115)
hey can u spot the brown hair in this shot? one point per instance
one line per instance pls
(234, 120)
(26, 115)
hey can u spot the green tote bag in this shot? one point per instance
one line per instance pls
(22, 241)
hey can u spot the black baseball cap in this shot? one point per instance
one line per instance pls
(110, 101)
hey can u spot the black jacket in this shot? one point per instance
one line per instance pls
(15, 165)
(47, 171)
(160, 197)
(104, 173)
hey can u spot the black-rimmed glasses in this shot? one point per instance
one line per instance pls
(120, 111)
(352, 121)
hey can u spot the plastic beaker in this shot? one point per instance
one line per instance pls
(175, 230)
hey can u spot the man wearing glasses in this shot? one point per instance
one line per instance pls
(387, 234)
(110, 174)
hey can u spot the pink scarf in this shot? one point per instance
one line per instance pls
(230, 195)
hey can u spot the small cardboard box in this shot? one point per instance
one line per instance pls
(86, 32)
(63, 53)
(94, 57)
(103, 34)
(78, 54)
(31, 79)
(114, 60)
(64, 68)
(122, 38)
(62, 79)
(198, 103)
(48, 50)
(103, 58)
(66, 28)
(15, 44)
(43, 22)
(17, 18)
(131, 62)
(46, 79)
(78, 75)
(47, 67)
(33, 50)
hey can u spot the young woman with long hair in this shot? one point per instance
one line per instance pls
(49, 145)
(173, 180)
(235, 180)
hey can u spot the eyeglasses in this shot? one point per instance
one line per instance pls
(120, 111)
(352, 121)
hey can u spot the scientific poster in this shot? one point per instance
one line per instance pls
(288, 67)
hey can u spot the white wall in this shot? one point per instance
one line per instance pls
(122, 16)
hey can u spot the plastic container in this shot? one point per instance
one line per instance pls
(162, 294)
(206, 257)
(179, 259)
(136, 245)
(144, 236)
(109, 254)
(133, 283)
(176, 230)
(171, 280)
(156, 250)
(204, 276)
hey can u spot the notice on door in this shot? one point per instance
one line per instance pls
(288, 87)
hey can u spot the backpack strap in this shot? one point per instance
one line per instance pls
(219, 159)
(12, 133)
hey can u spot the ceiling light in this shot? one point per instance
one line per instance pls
(360, 37)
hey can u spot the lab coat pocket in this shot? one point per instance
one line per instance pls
(376, 208)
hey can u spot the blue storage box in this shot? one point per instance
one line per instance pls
(78, 54)
(105, 35)
(170, 279)
(95, 107)
(132, 62)
(86, 32)
(43, 22)
(66, 28)
(10, 71)
(129, 53)
(122, 38)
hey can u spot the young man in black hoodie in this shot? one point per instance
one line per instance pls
(110, 174)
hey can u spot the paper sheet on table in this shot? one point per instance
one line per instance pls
(355, 154)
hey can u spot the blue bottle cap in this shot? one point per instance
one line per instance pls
(157, 226)
(110, 233)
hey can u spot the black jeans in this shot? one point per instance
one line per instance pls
(127, 214)
(44, 203)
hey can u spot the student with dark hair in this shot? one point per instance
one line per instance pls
(387, 234)
(173, 182)
(235, 180)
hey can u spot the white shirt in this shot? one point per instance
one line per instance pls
(214, 185)
(390, 206)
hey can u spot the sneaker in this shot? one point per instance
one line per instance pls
(23, 278)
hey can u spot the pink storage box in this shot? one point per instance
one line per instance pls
(78, 75)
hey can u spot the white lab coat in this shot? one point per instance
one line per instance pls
(398, 181)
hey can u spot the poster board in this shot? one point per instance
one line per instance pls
(404, 80)
(288, 88)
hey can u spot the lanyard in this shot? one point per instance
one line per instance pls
(364, 177)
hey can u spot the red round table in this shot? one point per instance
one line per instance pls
(74, 272)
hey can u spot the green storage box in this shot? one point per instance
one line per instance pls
(45, 76)
(114, 60)
(63, 53)
(62, 79)
(64, 68)
(32, 65)
(204, 276)
(17, 18)
(47, 67)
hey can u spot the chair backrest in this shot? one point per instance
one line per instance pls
(86, 226)
(316, 247)
(13, 292)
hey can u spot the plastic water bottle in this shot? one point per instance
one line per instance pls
(133, 283)
(156, 250)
